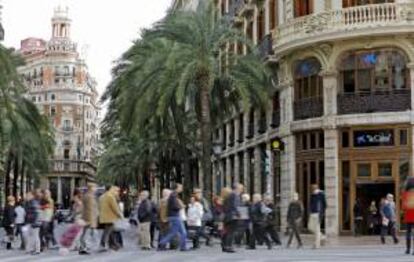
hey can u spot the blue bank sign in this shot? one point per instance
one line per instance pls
(366, 138)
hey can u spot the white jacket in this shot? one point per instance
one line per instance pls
(195, 214)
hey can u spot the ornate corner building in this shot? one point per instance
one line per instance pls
(343, 106)
(1, 24)
(58, 82)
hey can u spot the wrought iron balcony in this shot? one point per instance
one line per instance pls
(375, 18)
(72, 166)
(308, 108)
(266, 47)
(380, 101)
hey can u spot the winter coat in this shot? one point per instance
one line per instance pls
(230, 207)
(318, 203)
(32, 209)
(195, 214)
(8, 216)
(408, 206)
(109, 210)
(90, 210)
(174, 205)
(258, 215)
(145, 211)
(295, 212)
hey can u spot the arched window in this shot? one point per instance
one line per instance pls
(373, 71)
(308, 82)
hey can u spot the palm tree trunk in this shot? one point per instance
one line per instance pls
(9, 162)
(15, 175)
(204, 82)
(183, 151)
(22, 175)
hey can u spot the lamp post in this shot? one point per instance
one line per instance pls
(217, 150)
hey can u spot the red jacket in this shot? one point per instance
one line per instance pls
(408, 206)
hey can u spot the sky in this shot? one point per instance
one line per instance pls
(103, 28)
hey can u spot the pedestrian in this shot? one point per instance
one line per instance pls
(389, 219)
(109, 214)
(372, 218)
(9, 216)
(47, 212)
(317, 214)
(218, 213)
(231, 206)
(358, 218)
(163, 215)
(258, 215)
(89, 216)
(144, 219)
(154, 221)
(207, 215)
(294, 220)
(32, 210)
(175, 209)
(408, 208)
(19, 222)
(272, 221)
(195, 214)
(244, 223)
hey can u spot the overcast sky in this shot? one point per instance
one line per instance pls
(105, 27)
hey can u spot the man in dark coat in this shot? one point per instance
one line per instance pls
(231, 215)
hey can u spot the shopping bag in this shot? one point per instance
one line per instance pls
(70, 235)
(313, 222)
(121, 225)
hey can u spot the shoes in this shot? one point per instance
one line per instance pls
(229, 250)
(300, 246)
(269, 247)
(102, 250)
(161, 249)
(146, 248)
(185, 250)
(407, 252)
(84, 252)
(35, 253)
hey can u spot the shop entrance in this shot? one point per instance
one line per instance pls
(372, 192)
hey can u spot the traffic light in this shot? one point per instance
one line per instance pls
(277, 145)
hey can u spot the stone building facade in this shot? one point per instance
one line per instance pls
(1, 24)
(58, 82)
(342, 113)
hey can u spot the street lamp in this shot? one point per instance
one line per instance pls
(217, 150)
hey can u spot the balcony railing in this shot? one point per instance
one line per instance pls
(67, 128)
(266, 46)
(347, 19)
(380, 101)
(72, 166)
(308, 108)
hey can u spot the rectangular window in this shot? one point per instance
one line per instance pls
(303, 7)
(345, 139)
(312, 141)
(385, 169)
(321, 139)
(349, 81)
(53, 111)
(273, 14)
(364, 80)
(304, 141)
(364, 170)
(403, 137)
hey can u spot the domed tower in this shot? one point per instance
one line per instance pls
(61, 25)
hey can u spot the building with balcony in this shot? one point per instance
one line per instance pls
(342, 113)
(58, 82)
(1, 24)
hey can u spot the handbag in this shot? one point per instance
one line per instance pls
(312, 223)
(121, 225)
(385, 221)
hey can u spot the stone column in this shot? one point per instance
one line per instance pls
(257, 170)
(288, 9)
(72, 185)
(267, 17)
(410, 66)
(59, 189)
(255, 33)
(332, 181)
(270, 174)
(228, 172)
(330, 91)
(246, 170)
(288, 176)
(236, 168)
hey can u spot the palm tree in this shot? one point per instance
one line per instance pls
(25, 135)
(198, 38)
